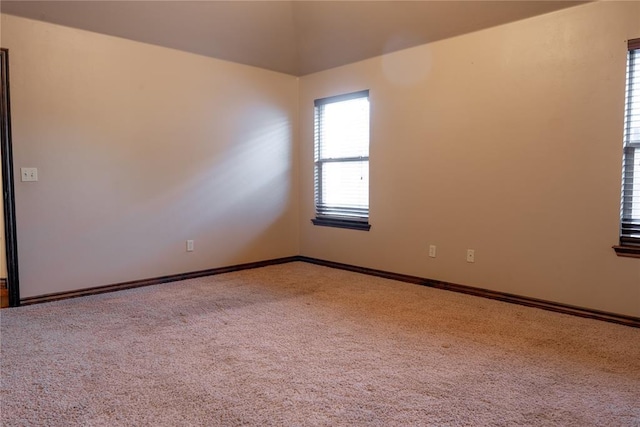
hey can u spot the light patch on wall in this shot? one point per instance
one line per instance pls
(405, 67)
(225, 202)
(245, 186)
(254, 168)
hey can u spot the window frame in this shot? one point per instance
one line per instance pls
(629, 246)
(336, 220)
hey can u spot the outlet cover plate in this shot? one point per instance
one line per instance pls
(28, 174)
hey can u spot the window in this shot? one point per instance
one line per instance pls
(630, 211)
(342, 161)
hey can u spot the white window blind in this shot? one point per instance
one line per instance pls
(342, 161)
(630, 223)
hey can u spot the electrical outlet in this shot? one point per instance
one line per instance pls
(189, 245)
(28, 174)
(432, 251)
(471, 255)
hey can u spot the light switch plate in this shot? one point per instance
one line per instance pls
(432, 251)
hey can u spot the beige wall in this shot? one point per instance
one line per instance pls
(506, 141)
(139, 148)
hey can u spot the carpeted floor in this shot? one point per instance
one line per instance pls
(299, 344)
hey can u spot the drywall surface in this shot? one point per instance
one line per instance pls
(138, 149)
(507, 141)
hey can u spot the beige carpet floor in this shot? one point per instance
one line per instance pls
(303, 345)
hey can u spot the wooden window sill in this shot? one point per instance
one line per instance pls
(342, 223)
(627, 251)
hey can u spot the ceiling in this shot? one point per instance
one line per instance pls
(293, 37)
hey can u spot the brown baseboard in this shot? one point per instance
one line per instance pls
(4, 294)
(153, 281)
(469, 290)
(486, 293)
(4, 298)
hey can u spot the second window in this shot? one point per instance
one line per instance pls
(342, 161)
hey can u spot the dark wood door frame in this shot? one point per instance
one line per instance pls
(11, 243)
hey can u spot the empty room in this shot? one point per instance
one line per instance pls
(322, 213)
